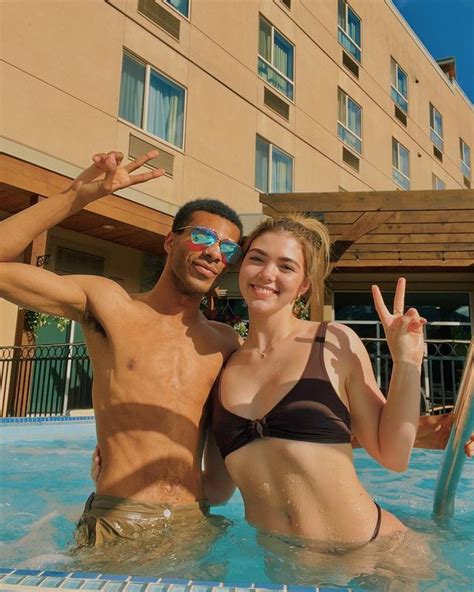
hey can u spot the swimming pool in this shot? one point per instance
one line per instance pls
(45, 481)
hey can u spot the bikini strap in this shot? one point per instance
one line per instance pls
(321, 334)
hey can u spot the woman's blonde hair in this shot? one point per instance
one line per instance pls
(315, 243)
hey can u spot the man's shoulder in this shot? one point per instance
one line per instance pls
(228, 337)
(105, 299)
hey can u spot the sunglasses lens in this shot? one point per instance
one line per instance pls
(231, 251)
(203, 236)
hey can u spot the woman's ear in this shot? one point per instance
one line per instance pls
(306, 284)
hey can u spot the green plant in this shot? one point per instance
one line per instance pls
(301, 309)
(241, 328)
(36, 320)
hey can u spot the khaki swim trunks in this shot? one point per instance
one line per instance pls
(107, 518)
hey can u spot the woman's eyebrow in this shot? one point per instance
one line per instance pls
(285, 259)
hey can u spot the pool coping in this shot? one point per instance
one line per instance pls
(15, 421)
(48, 580)
(13, 579)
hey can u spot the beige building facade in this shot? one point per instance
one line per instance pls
(239, 96)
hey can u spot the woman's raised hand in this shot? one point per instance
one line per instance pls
(403, 330)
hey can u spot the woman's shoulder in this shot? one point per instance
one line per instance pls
(344, 337)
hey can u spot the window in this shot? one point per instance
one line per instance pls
(401, 165)
(151, 101)
(181, 6)
(349, 125)
(275, 59)
(399, 86)
(438, 183)
(273, 168)
(465, 158)
(436, 125)
(348, 31)
(72, 261)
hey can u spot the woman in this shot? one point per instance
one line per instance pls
(286, 404)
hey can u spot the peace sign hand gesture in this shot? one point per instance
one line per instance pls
(106, 175)
(404, 331)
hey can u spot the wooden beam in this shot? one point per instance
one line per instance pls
(416, 217)
(365, 201)
(429, 247)
(398, 239)
(28, 177)
(409, 228)
(389, 263)
(407, 255)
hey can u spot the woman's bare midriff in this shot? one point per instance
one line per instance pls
(307, 490)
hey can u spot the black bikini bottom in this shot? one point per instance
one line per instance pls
(379, 520)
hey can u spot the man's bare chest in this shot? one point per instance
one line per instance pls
(148, 359)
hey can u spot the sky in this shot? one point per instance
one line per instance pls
(446, 29)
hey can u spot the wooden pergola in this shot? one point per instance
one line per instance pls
(384, 233)
(395, 230)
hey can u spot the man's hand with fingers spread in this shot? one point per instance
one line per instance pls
(107, 175)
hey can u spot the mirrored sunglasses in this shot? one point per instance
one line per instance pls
(206, 237)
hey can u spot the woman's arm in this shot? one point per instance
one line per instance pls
(388, 428)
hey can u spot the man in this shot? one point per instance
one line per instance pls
(155, 356)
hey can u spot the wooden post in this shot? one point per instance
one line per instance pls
(317, 303)
(20, 384)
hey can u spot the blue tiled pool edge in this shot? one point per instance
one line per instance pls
(16, 421)
(12, 579)
(33, 579)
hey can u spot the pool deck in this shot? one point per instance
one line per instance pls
(12, 580)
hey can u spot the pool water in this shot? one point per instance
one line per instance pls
(45, 482)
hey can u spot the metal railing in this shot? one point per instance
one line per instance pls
(53, 379)
(440, 376)
(44, 379)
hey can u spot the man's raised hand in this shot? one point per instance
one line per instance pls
(107, 174)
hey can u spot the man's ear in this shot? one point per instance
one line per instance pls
(169, 241)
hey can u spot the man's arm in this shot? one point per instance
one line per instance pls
(42, 290)
(218, 485)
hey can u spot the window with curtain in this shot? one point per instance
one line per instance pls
(349, 125)
(349, 30)
(399, 86)
(465, 158)
(273, 168)
(181, 6)
(436, 127)
(437, 183)
(400, 165)
(275, 59)
(151, 101)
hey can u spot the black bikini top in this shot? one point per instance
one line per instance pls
(311, 411)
